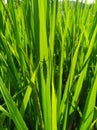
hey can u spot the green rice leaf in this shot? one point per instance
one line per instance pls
(13, 110)
(89, 107)
(54, 108)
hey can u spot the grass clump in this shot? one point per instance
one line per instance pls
(48, 69)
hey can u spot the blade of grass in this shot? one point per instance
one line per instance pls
(11, 63)
(4, 111)
(54, 107)
(44, 66)
(13, 110)
(28, 93)
(84, 71)
(70, 77)
(89, 108)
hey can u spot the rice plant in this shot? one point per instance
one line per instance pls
(48, 65)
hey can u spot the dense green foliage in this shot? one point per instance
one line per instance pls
(48, 65)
